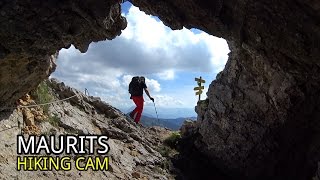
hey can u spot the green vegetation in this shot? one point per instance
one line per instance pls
(54, 120)
(168, 149)
(165, 151)
(203, 103)
(172, 140)
(42, 95)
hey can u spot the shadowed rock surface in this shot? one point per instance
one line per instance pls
(261, 119)
(31, 31)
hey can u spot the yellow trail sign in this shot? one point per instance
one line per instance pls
(199, 92)
(198, 88)
(200, 80)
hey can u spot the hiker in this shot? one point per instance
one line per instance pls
(136, 87)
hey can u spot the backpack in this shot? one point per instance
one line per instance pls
(135, 86)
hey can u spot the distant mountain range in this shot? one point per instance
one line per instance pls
(165, 113)
(170, 113)
(173, 124)
(171, 118)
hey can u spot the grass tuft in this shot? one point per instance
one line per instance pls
(54, 120)
(172, 140)
(42, 95)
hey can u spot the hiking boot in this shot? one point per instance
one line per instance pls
(138, 124)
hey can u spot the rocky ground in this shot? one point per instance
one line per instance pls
(133, 148)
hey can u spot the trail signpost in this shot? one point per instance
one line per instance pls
(200, 88)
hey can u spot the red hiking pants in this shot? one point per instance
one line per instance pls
(138, 100)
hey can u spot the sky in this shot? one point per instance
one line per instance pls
(170, 60)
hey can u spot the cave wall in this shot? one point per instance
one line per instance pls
(32, 32)
(262, 116)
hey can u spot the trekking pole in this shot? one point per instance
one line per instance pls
(86, 92)
(156, 112)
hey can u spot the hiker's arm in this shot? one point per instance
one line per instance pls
(147, 92)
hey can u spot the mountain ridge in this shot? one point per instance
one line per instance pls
(173, 124)
(164, 112)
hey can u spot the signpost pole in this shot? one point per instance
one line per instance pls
(200, 86)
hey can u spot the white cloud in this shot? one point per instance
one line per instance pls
(177, 46)
(126, 79)
(166, 75)
(153, 85)
(145, 48)
(164, 100)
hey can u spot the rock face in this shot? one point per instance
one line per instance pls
(133, 149)
(262, 115)
(32, 31)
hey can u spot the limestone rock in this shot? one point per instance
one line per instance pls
(31, 130)
(135, 175)
(188, 128)
(262, 108)
(30, 114)
(128, 157)
(28, 117)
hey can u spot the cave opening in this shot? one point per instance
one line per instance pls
(169, 59)
(262, 117)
